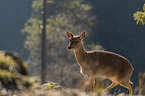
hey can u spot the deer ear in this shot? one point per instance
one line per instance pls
(69, 34)
(83, 35)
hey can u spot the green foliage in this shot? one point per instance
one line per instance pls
(10, 75)
(6, 62)
(37, 5)
(33, 38)
(140, 16)
(6, 77)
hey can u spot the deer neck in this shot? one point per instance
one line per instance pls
(80, 54)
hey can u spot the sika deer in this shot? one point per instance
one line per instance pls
(100, 64)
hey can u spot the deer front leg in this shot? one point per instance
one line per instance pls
(92, 84)
(89, 79)
(87, 82)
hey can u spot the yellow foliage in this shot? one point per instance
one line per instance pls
(48, 85)
(51, 85)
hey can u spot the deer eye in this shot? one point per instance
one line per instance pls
(76, 41)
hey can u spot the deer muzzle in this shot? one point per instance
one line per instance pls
(69, 48)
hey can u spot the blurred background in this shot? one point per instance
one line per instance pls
(109, 24)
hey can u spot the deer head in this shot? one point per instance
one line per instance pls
(75, 41)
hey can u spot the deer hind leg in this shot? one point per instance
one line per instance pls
(128, 85)
(111, 86)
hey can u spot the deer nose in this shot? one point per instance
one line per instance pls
(69, 47)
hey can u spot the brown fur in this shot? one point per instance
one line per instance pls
(101, 64)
